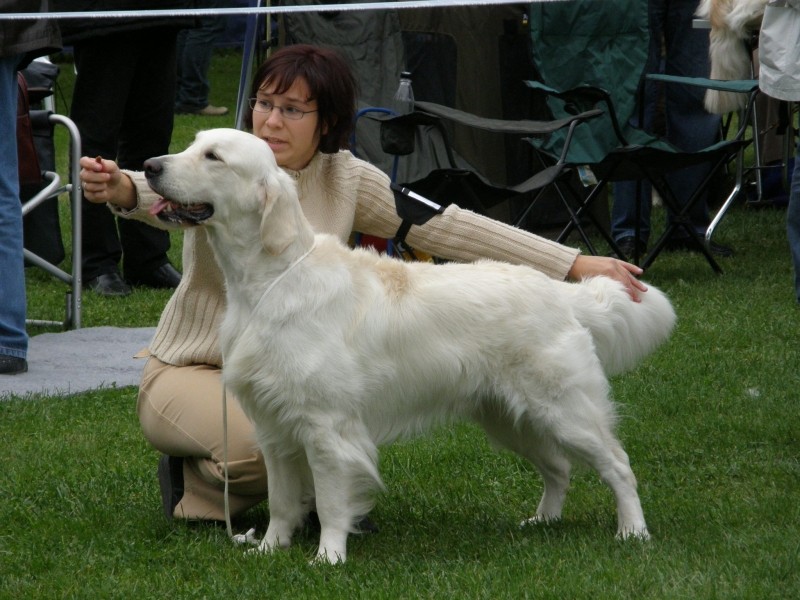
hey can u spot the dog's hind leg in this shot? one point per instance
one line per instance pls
(584, 430)
(345, 474)
(543, 453)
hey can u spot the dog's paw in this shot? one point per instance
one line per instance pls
(324, 557)
(265, 546)
(539, 520)
(633, 533)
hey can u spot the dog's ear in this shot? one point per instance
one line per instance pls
(281, 221)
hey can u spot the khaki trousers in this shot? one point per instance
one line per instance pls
(180, 410)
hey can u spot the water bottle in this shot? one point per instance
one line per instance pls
(403, 102)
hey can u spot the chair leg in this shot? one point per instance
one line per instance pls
(680, 221)
(584, 206)
(737, 188)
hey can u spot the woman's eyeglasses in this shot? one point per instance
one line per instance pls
(287, 112)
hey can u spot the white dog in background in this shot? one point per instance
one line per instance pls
(733, 22)
(332, 351)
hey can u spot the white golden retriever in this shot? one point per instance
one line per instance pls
(333, 351)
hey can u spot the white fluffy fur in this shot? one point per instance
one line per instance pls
(732, 24)
(349, 349)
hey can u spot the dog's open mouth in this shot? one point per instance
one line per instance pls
(182, 214)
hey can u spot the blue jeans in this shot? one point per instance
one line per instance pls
(195, 47)
(793, 221)
(688, 125)
(13, 339)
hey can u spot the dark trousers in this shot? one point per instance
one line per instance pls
(195, 49)
(123, 106)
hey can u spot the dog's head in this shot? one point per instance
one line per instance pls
(221, 166)
(223, 176)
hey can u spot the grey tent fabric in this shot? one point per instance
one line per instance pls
(370, 40)
(372, 43)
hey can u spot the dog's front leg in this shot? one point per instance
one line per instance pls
(334, 517)
(286, 508)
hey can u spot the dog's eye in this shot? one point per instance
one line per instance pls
(211, 156)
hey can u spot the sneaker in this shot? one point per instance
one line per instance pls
(12, 365)
(627, 246)
(693, 245)
(170, 480)
(208, 111)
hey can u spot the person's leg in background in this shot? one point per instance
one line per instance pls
(688, 125)
(195, 48)
(631, 197)
(145, 132)
(793, 223)
(104, 66)
(13, 338)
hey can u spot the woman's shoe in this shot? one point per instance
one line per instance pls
(170, 480)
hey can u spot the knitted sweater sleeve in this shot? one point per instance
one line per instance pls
(457, 234)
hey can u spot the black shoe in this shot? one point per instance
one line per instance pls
(170, 480)
(364, 525)
(12, 365)
(627, 246)
(688, 244)
(165, 276)
(108, 284)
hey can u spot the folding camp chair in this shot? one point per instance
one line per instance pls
(593, 55)
(449, 180)
(49, 187)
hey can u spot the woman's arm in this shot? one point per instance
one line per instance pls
(463, 235)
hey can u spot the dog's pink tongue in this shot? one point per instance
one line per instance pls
(160, 205)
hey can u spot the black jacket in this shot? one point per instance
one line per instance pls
(75, 30)
(28, 38)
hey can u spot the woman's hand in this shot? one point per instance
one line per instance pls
(626, 273)
(102, 181)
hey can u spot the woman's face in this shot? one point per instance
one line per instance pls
(294, 142)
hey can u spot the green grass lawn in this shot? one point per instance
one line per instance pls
(710, 422)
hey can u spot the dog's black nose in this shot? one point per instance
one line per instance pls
(152, 167)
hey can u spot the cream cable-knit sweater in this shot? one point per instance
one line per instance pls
(339, 194)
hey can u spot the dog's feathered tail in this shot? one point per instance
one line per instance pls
(729, 60)
(732, 23)
(624, 331)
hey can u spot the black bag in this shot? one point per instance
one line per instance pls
(41, 227)
(29, 171)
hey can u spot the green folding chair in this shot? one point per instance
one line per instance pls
(593, 54)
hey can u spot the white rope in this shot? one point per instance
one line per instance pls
(260, 10)
(249, 537)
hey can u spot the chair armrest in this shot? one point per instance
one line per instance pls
(524, 127)
(741, 86)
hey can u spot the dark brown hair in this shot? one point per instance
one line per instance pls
(330, 82)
